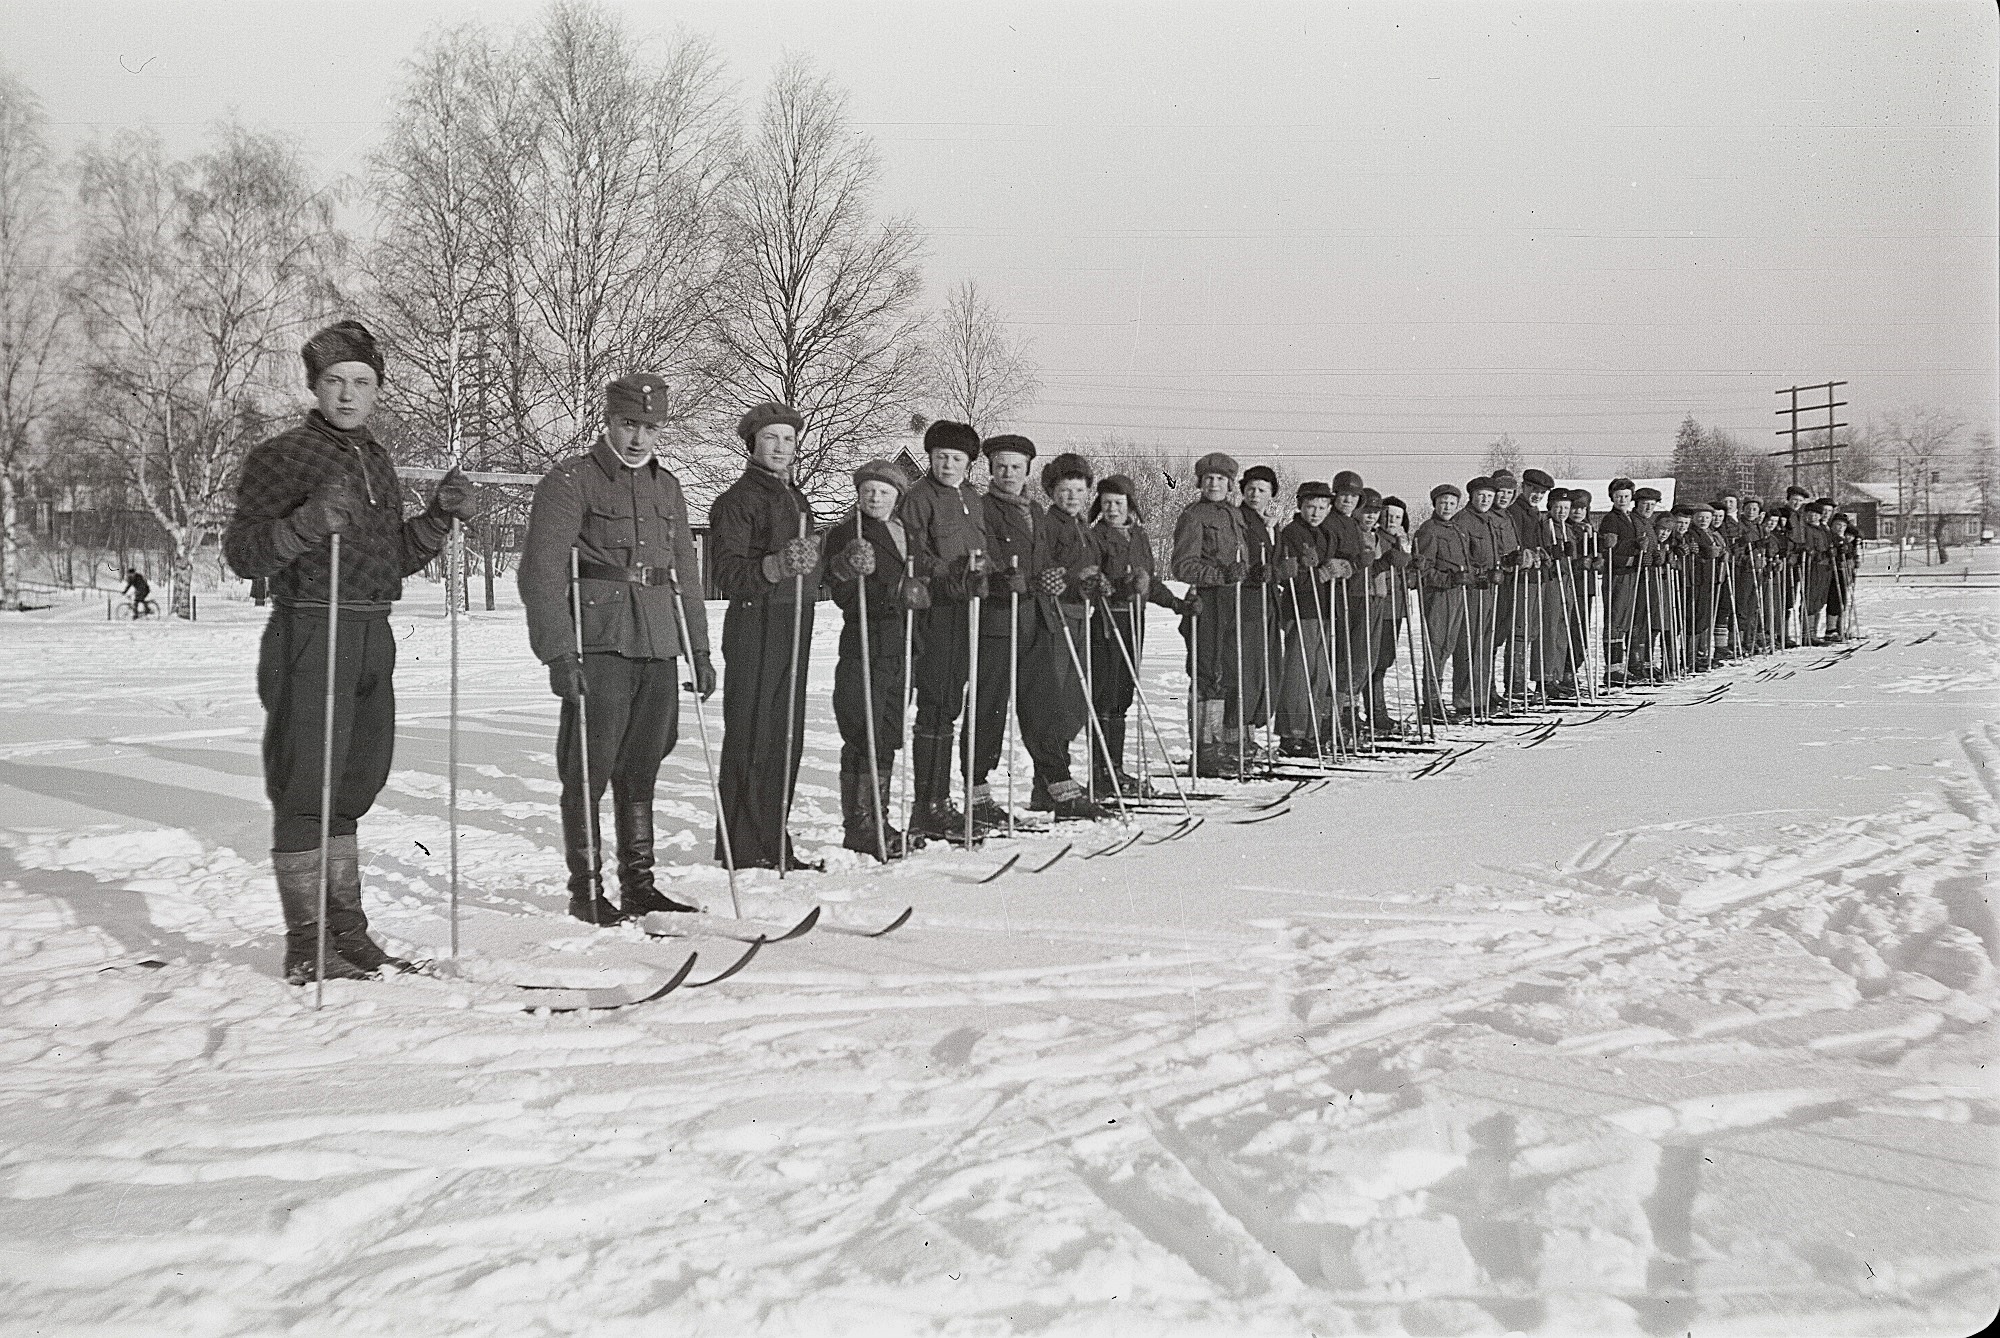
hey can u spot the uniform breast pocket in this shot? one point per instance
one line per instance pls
(608, 524)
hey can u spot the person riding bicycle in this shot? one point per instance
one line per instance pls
(142, 591)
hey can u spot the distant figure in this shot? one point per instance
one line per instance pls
(142, 590)
(1937, 536)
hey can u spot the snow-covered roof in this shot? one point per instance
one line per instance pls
(1950, 499)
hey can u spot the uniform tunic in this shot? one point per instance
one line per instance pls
(753, 518)
(629, 530)
(377, 551)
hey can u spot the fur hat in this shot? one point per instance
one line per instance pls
(1536, 478)
(1398, 503)
(1313, 488)
(1446, 490)
(1122, 486)
(1580, 497)
(945, 435)
(1215, 462)
(1068, 465)
(1261, 473)
(1008, 441)
(763, 416)
(882, 471)
(1558, 495)
(342, 341)
(1503, 480)
(1618, 483)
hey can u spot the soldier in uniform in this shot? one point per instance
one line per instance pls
(1209, 549)
(867, 548)
(1444, 570)
(944, 520)
(766, 565)
(326, 476)
(1012, 629)
(621, 511)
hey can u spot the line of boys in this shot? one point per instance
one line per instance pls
(1293, 626)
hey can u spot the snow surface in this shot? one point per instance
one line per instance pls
(1674, 1023)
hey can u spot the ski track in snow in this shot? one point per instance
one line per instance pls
(1675, 1022)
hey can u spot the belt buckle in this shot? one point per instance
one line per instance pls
(654, 576)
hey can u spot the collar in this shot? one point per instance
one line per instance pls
(355, 437)
(608, 461)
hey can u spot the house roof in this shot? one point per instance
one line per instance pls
(1948, 499)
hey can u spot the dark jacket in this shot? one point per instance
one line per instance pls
(885, 583)
(1442, 557)
(1010, 544)
(943, 526)
(1063, 542)
(755, 517)
(1207, 536)
(613, 517)
(1121, 552)
(1306, 595)
(1624, 527)
(376, 553)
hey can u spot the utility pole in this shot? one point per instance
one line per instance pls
(1829, 445)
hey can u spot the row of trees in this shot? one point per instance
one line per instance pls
(550, 207)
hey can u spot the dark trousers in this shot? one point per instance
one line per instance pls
(1049, 705)
(1212, 648)
(1472, 658)
(1444, 638)
(1110, 680)
(291, 682)
(755, 782)
(943, 658)
(634, 711)
(884, 694)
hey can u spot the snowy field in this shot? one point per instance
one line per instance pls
(1673, 1023)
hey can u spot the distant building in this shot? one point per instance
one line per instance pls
(1950, 510)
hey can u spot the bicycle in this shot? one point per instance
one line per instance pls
(138, 608)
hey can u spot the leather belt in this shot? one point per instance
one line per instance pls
(598, 571)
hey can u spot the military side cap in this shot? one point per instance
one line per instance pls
(763, 416)
(1447, 490)
(1215, 462)
(1009, 441)
(641, 397)
(1646, 495)
(1536, 478)
(1261, 473)
(1314, 488)
(882, 471)
(946, 435)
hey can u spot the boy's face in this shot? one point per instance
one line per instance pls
(775, 447)
(346, 392)
(632, 441)
(1215, 487)
(1315, 509)
(950, 467)
(1115, 507)
(1071, 496)
(1446, 505)
(1621, 501)
(1482, 499)
(1008, 471)
(876, 499)
(1559, 511)
(1345, 502)
(1257, 494)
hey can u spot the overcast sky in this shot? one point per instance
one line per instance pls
(1369, 236)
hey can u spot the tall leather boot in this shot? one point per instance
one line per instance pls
(298, 894)
(1213, 757)
(587, 901)
(934, 815)
(899, 842)
(346, 922)
(637, 892)
(856, 820)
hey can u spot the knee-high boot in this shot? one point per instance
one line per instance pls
(637, 892)
(298, 894)
(346, 922)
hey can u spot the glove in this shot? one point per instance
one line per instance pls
(1309, 561)
(566, 678)
(1093, 585)
(1339, 568)
(1530, 559)
(455, 495)
(1256, 574)
(1234, 570)
(704, 676)
(854, 561)
(798, 557)
(915, 593)
(1287, 569)
(333, 508)
(1053, 580)
(1140, 584)
(1013, 581)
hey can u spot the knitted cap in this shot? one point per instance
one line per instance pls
(763, 416)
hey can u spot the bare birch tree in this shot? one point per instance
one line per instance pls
(196, 282)
(979, 373)
(819, 304)
(33, 318)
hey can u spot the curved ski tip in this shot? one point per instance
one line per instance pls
(1012, 860)
(756, 946)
